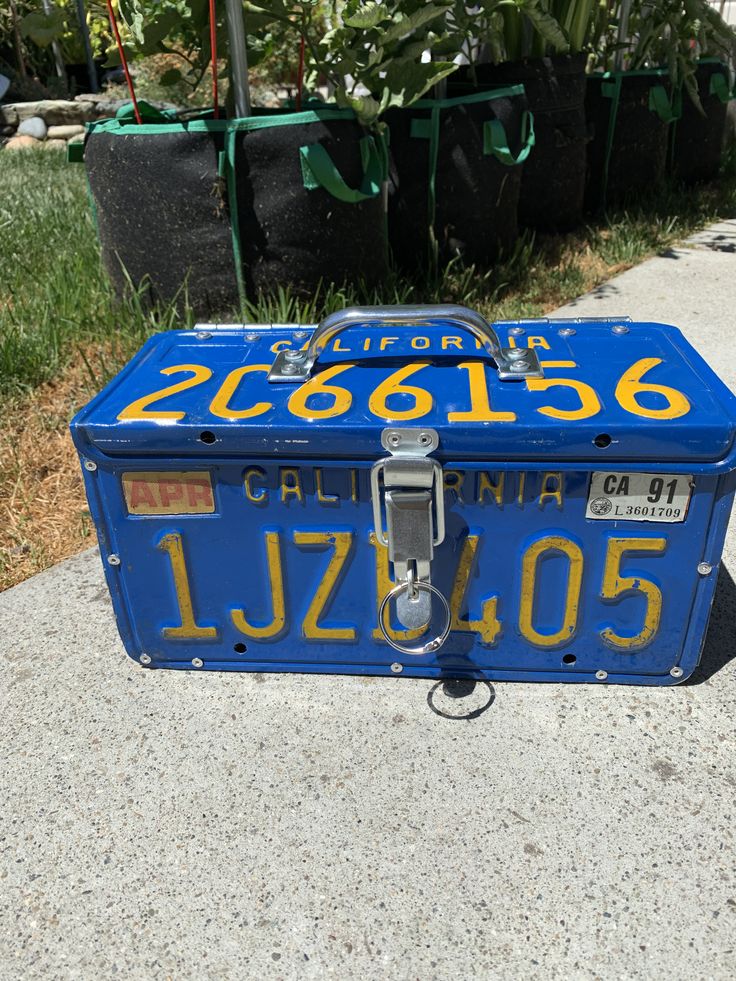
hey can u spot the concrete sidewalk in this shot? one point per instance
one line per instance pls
(182, 825)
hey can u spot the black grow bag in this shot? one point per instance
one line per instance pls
(630, 113)
(305, 190)
(161, 210)
(553, 177)
(454, 187)
(698, 139)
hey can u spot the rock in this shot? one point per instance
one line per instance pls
(64, 132)
(21, 143)
(35, 127)
(54, 145)
(7, 130)
(54, 112)
(8, 116)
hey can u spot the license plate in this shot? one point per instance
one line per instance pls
(285, 573)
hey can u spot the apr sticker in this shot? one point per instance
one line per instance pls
(639, 496)
(168, 492)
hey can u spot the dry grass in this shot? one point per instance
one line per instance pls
(43, 511)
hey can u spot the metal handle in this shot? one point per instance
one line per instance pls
(295, 367)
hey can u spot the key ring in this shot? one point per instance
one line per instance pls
(427, 587)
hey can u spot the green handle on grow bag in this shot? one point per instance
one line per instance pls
(318, 170)
(659, 102)
(495, 142)
(719, 87)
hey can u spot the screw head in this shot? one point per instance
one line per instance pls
(289, 369)
(251, 336)
(705, 568)
(294, 355)
(397, 668)
(566, 331)
(514, 353)
(145, 659)
(300, 334)
(620, 329)
(676, 672)
(601, 675)
(197, 662)
(203, 335)
(90, 465)
(113, 559)
(519, 365)
(516, 331)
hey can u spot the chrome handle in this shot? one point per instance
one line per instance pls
(295, 367)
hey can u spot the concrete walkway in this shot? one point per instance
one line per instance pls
(184, 825)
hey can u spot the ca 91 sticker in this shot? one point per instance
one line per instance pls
(639, 496)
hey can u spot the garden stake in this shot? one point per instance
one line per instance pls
(300, 76)
(213, 58)
(238, 57)
(89, 57)
(123, 61)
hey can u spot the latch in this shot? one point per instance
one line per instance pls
(408, 484)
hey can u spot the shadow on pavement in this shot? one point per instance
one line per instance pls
(720, 641)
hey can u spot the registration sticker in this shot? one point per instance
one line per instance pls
(168, 492)
(639, 496)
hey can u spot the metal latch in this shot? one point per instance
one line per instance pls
(409, 485)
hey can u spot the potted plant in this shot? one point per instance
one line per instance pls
(541, 46)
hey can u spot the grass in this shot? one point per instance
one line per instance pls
(63, 334)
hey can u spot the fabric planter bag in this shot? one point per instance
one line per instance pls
(697, 138)
(161, 209)
(455, 179)
(305, 191)
(630, 114)
(553, 178)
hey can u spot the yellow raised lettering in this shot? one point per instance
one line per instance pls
(488, 486)
(219, 406)
(453, 480)
(480, 407)
(530, 562)
(342, 542)
(488, 626)
(260, 494)
(452, 342)
(276, 584)
(317, 385)
(139, 409)
(589, 402)
(631, 385)
(291, 485)
(552, 488)
(188, 628)
(319, 490)
(615, 586)
(393, 385)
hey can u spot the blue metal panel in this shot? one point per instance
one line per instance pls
(296, 491)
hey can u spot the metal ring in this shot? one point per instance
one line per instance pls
(432, 645)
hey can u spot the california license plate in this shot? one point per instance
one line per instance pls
(266, 566)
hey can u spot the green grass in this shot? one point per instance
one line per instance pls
(56, 305)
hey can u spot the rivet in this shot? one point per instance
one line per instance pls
(250, 336)
(90, 465)
(203, 335)
(519, 365)
(705, 568)
(394, 439)
(601, 675)
(516, 331)
(676, 672)
(566, 331)
(425, 439)
(397, 668)
(197, 662)
(300, 334)
(113, 560)
(294, 355)
(620, 329)
(145, 658)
